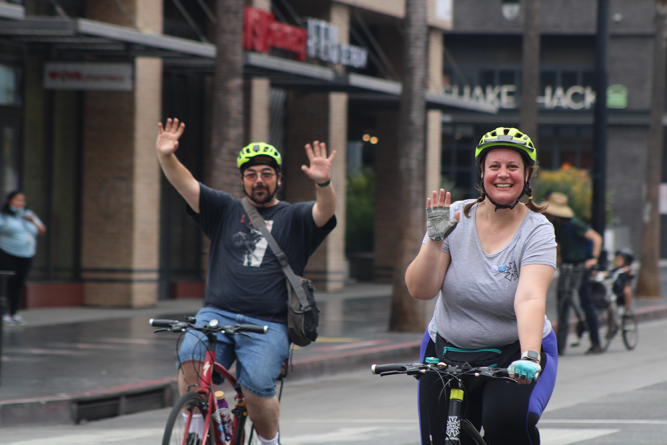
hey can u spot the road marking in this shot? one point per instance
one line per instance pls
(566, 436)
(346, 421)
(604, 421)
(94, 437)
(360, 434)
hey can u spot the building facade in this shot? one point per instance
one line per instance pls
(84, 82)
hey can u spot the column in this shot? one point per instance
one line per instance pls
(121, 179)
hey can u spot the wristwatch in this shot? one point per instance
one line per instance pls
(531, 355)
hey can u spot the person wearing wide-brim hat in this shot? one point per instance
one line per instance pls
(579, 247)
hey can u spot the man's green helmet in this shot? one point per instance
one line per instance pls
(259, 153)
(507, 138)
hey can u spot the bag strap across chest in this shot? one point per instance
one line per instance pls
(257, 221)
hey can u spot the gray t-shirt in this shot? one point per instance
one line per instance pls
(475, 308)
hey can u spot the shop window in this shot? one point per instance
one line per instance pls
(9, 91)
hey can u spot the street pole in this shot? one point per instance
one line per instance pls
(599, 175)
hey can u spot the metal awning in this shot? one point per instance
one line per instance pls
(14, 12)
(107, 41)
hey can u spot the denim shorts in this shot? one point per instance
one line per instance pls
(259, 357)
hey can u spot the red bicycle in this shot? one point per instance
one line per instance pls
(219, 428)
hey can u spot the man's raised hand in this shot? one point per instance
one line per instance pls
(320, 165)
(167, 137)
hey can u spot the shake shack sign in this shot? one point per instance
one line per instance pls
(576, 97)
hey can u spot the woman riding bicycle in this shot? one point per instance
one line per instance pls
(492, 269)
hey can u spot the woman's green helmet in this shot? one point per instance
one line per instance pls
(259, 153)
(507, 138)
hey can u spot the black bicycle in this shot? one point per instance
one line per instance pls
(451, 376)
(613, 320)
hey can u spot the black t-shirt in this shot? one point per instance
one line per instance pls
(244, 276)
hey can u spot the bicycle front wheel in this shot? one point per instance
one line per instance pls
(630, 332)
(608, 328)
(176, 431)
(472, 432)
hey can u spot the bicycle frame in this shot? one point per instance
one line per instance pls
(206, 390)
(454, 422)
(203, 397)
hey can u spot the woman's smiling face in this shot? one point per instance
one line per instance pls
(504, 175)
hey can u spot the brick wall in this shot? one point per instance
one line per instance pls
(121, 182)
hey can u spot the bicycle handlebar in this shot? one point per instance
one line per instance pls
(176, 326)
(416, 369)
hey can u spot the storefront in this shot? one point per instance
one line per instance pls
(483, 63)
(81, 97)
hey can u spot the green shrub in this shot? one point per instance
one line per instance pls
(360, 212)
(573, 182)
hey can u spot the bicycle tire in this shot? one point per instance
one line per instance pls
(630, 332)
(175, 433)
(608, 328)
(563, 325)
(472, 432)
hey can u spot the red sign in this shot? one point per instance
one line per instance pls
(261, 32)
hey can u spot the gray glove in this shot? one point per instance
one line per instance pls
(438, 225)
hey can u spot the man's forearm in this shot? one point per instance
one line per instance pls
(325, 206)
(181, 178)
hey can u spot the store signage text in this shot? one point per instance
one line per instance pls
(576, 97)
(323, 44)
(88, 76)
(261, 32)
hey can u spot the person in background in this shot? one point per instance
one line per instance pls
(19, 228)
(580, 248)
(623, 284)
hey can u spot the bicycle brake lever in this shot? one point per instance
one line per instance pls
(244, 333)
(161, 330)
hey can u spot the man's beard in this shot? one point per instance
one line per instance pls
(261, 200)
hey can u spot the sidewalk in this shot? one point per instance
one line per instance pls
(70, 364)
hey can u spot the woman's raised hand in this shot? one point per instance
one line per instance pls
(167, 137)
(438, 224)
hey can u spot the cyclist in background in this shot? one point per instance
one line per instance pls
(245, 283)
(574, 238)
(491, 269)
(622, 286)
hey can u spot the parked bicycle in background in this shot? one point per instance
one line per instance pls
(612, 294)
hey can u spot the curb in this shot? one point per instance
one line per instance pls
(156, 394)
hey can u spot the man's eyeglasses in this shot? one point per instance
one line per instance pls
(252, 176)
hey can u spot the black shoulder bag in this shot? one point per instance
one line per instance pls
(303, 316)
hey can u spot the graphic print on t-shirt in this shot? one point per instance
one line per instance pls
(253, 245)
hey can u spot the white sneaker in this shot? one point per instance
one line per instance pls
(6, 319)
(18, 319)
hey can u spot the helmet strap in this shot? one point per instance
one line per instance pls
(502, 206)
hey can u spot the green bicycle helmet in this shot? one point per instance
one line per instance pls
(259, 153)
(507, 138)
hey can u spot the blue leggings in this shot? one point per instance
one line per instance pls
(508, 412)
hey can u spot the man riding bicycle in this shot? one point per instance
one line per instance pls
(245, 283)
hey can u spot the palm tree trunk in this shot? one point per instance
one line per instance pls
(648, 282)
(530, 68)
(407, 313)
(227, 125)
